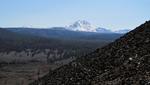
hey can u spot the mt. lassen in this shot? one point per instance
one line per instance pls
(82, 25)
(85, 26)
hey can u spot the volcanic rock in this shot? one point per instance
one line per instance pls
(123, 62)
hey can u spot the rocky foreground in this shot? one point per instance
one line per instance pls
(123, 62)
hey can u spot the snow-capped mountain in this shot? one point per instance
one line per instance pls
(82, 25)
(85, 26)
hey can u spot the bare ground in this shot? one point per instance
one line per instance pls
(23, 74)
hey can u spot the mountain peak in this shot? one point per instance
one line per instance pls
(83, 22)
(82, 25)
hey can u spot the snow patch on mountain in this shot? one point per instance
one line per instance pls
(122, 31)
(103, 30)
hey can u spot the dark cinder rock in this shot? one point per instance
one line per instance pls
(123, 62)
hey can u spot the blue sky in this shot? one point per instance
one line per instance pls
(112, 14)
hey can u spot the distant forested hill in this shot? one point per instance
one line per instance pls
(56, 43)
(62, 33)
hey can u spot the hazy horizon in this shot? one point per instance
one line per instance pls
(109, 14)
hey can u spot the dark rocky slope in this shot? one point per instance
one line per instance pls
(123, 62)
